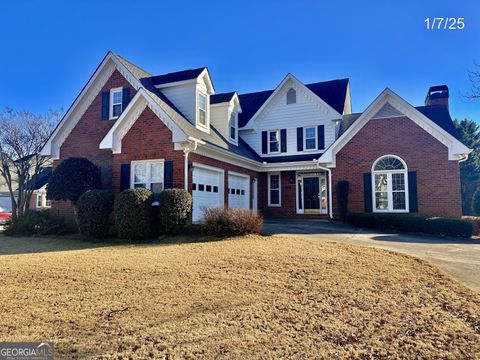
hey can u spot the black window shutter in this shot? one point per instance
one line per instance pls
(321, 137)
(264, 142)
(168, 171)
(300, 139)
(105, 105)
(124, 177)
(125, 97)
(412, 191)
(367, 191)
(283, 140)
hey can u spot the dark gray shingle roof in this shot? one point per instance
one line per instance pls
(177, 76)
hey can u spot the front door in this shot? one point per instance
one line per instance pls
(311, 194)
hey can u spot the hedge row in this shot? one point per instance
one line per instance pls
(412, 223)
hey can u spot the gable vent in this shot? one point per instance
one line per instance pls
(387, 111)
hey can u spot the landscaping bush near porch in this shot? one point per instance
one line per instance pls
(36, 223)
(133, 214)
(412, 223)
(232, 222)
(175, 206)
(93, 213)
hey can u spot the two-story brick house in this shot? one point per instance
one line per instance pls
(280, 152)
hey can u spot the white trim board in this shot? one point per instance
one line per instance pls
(456, 150)
(142, 100)
(109, 64)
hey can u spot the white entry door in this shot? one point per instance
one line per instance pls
(238, 191)
(207, 190)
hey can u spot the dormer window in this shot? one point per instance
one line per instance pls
(115, 103)
(202, 109)
(291, 96)
(233, 126)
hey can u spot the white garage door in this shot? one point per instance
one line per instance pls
(207, 190)
(238, 191)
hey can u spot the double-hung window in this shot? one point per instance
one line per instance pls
(202, 109)
(39, 201)
(310, 138)
(274, 141)
(390, 187)
(148, 175)
(116, 99)
(233, 126)
(274, 190)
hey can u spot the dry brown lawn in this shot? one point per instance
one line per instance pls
(246, 298)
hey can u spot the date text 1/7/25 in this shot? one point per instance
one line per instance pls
(440, 23)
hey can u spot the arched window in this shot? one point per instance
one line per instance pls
(291, 96)
(390, 184)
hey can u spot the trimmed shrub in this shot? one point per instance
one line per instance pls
(133, 214)
(175, 206)
(475, 221)
(93, 213)
(342, 198)
(412, 223)
(231, 222)
(71, 178)
(36, 223)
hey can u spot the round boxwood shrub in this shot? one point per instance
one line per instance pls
(71, 178)
(175, 206)
(133, 211)
(93, 211)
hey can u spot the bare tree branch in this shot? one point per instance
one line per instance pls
(22, 136)
(474, 77)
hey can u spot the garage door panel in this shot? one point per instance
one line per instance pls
(238, 192)
(207, 190)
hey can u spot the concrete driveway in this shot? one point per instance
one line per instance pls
(458, 257)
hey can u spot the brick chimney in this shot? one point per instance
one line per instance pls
(437, 95)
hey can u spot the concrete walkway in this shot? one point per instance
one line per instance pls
(458, 257)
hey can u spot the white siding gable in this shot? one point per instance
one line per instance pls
(308, 110)
(184, 98)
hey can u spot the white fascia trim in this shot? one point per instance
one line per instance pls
(113, 139)
(234, 102)
(456, 150)
(251, 125)
(82, 102)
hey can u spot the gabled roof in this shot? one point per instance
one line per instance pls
(333, 92)
(177, 76)
(456, 150)
(221, 98)
(41, 179)
(437, 113)
(440, 115)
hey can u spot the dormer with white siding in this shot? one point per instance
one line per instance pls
(294, 119)
(224, 115)
(190, 92)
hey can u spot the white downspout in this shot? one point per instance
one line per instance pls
(185, 165)
(191, 146)
(330, 199)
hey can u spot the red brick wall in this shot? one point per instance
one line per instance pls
(148, 139)
(230, 167)
(85, 138)
(438, 179)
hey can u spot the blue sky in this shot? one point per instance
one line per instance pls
(50, 48)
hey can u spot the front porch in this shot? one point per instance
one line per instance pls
(298, 193)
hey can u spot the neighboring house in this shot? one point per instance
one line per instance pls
(280, 151)
(39, 200)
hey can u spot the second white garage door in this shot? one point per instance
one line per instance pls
(238, 191)
(207, 190)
